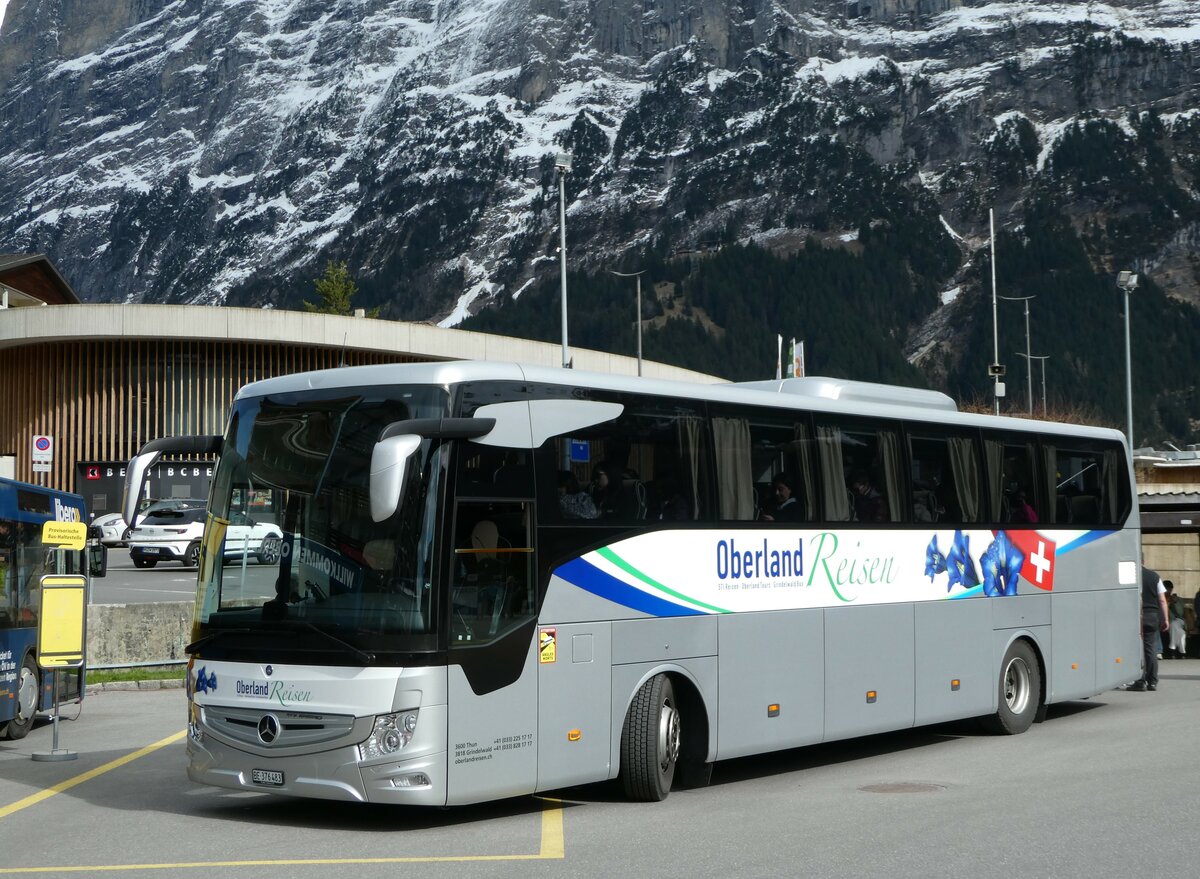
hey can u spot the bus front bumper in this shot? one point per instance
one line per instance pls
(330, 775)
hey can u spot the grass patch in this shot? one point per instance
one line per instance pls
(148, 673)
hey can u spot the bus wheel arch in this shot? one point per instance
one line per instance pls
(666, 711)
(695, 769)
(1021, 689)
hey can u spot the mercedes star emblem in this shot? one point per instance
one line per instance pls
(268, 729)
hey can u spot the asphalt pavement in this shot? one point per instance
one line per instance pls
(125, 584)
(1104, 788)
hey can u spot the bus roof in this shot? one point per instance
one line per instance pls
(817, 394)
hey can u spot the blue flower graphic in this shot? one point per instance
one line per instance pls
(935, 562)
(1002, 563)
(960, 565)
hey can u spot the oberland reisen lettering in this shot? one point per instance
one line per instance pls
(738, 563)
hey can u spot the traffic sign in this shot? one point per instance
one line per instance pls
(43, 449)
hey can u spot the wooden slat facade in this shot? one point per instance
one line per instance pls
(103, 400)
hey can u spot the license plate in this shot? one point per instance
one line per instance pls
(151, 550)
(266, 776)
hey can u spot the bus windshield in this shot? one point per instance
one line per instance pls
(289, 545)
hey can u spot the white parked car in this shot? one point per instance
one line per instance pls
(114, 530)
(248, 537)
(167, 535)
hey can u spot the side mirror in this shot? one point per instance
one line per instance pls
(388, 461)
(97, 560)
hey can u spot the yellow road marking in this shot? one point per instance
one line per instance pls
(41, 795)
(553, 846)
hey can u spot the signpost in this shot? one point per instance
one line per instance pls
(42, 453)
(62, 620)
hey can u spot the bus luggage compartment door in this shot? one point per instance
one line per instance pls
(574, 695)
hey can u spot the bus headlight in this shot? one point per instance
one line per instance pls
(391, 733)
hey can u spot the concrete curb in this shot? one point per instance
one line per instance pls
(171, 684)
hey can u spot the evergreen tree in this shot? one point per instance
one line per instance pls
(336, 290)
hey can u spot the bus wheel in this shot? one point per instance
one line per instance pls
(27, 700)
(191, 559)
(650, 741)
(1020, 691)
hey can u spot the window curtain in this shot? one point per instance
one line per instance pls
(1111, 475)
(993, 453)
(965, 469)
(691, 447)
(1053, 492)
(735, 478)
(833, 477)
(803, 449)
(889, 451)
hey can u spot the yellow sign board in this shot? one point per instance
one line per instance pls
(71, 535)
(62, 621)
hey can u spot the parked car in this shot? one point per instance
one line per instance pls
(115, 532)
(249, 537)
(167, 535)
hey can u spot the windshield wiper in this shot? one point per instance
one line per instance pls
(361, 655)
(213, 636)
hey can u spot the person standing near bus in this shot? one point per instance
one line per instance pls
(1177, 645)
(1154, 620)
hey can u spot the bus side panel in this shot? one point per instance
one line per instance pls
(15, 644)
(1073, 668)
(868, 649)
(954, 644)
(1118, 637)
(491, 740)
(772, 658)
(1020, 611)
(626, 679)
(575, 694)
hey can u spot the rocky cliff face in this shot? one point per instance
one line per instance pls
(218, 151)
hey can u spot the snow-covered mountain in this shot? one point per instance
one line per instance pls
(211, 151)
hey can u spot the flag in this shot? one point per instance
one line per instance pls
(778, 357)
(1038, 568)
(791, 367)
(798, 360)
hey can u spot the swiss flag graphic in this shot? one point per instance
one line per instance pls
(1038, 549)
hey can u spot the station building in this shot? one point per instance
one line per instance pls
(101, 380)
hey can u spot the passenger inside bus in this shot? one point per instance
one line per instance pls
(785, 505)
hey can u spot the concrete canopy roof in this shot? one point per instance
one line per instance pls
(88, 322)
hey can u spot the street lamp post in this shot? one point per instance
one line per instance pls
(1028, 365)
(995, 370)
(563, 165)
(1043, 358)
(1128, 281)
(637, 275)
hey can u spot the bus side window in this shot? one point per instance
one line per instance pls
(1012, 480)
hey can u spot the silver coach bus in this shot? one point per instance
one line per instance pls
(452, 615)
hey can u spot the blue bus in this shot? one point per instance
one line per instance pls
(24, 508)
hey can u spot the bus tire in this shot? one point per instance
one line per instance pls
(650, 741)
(26, 701)
(191, 558)
(1020, 691)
